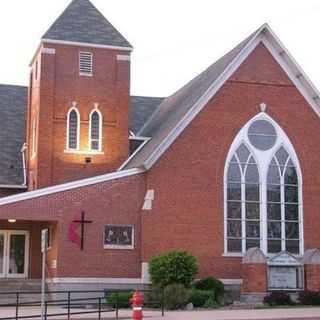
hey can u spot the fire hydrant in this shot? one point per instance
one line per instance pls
(137, 303)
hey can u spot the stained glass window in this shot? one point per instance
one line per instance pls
(243, 202)
(262, 134)
(262, 191)
(73, 129)
(283, 204)
(95, 127)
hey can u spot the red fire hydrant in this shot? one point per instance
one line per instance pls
(137, 303)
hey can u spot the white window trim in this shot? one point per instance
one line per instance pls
(86, 74)
(119, 247)
(100, 130)
(78, 129)
(263, 164)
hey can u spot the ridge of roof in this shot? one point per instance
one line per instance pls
(13, 85)
(82, 22)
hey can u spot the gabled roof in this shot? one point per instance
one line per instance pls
(141, 109)
(13, 106)
(176, 112)
(81, 22)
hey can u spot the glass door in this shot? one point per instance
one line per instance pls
(14, 253)
(2, 254)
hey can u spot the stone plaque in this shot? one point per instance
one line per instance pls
(283, 278)
(285, 272)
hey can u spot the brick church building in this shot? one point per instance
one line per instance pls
(225, 168)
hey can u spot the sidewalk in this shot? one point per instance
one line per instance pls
(259, 314)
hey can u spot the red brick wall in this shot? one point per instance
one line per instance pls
(57, 86)
(111, 202)
(188, 210)
(254, 277)
(312, 273)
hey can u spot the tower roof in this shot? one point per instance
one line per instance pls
(82, 22)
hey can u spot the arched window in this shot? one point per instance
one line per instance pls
(283, 204)
(95, 128)
(243, 202)
(263, 188)
(73, 129)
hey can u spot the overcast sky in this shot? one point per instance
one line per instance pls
(173, 40)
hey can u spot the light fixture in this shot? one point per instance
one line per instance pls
(12, 220)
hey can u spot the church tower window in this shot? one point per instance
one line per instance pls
(263, 190)
(85, 63)
(95, 130)
(73, 129)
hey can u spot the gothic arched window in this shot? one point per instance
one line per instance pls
(73, 129)
(263, 191)
(243, 201)
(283, 204)
(95, 128)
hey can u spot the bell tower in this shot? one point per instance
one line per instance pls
(79, 94)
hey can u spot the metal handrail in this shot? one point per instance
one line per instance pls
(70, 302)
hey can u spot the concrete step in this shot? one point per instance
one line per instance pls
(8, 288)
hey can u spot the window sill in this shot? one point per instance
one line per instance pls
(83, 152)
(268, 255)
(85, 74)
(232, 255)
(118, 247)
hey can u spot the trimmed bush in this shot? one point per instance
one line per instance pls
(175, 296)
(213, 284)
(278, 298)
(153, 299)
(123, 299)
(308, 297)
(199, 297)
(175, 267)
(211, 304)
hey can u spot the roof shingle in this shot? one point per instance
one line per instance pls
(141, 109)
(13, 106)
(175, 107)
(82, 22)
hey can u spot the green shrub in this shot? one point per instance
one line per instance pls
(122, 298)
(153, 299)
(211, 304)
(308, 297)
(175, 267)
(199, 297)
(278, 298)
(175, 296)
(213, 284)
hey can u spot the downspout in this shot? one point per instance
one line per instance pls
(23, 150)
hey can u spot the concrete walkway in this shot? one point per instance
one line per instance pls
(259, 314)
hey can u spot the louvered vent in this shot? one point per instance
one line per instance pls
(85, 63)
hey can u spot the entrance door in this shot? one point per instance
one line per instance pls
(14, 254)
(2, 253)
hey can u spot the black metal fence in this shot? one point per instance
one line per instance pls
(95, 302)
